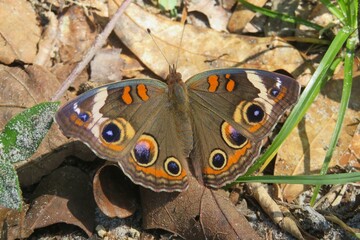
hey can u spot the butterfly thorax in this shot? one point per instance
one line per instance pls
(178, 96)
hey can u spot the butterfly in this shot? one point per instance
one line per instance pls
(159, 132)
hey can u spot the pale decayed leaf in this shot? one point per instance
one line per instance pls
(23, 133)
(10, 193)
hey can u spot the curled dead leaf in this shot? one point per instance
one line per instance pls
(114, 193)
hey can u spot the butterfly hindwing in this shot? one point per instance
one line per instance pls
(220, 153)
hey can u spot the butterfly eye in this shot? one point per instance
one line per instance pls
(172, 166)
(145, 151)
(218, 159)
(232, 137)
(111, 133)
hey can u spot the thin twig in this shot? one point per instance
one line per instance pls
(98, 43)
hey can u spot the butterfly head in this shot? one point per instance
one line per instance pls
(174, 76)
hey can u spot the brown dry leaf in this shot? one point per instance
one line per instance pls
(19, 31)
(352, 155)
(201, 49)
(63, 196)
(242, 16)
(107, 66)
(77, 33)
(196, 213)
(24, 88)
(305, 149)
(48, 41)
(12, 223)
(114, 193)
(35, 168)
(132, 66)
(218, 17)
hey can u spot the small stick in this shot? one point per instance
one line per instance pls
(98, 43)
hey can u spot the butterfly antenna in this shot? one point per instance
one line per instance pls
(162, 53)
(181, 39)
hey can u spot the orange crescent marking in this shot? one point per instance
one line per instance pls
(233, 159)
(142, 92)
(126, 97)
(213, 81)
(77, 121)
(113, 147)
(158, 173)
(256, 127)
(230, 85)
(281, 95)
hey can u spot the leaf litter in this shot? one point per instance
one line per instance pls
(191, 61)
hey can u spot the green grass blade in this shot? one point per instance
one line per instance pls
(341, 178)
(345, 98)
(335, 11)
(282, 16)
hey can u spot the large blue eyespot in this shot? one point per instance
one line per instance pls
(142, 153)
(145, 151)
(111, 133)
(232, 137)
(254, 113)
(237, 138)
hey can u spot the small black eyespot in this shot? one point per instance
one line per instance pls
(255, 113)
(218, 160)
(173, 167)
(142, 153)
(274, 92)
(84, 116)
(111, 133)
